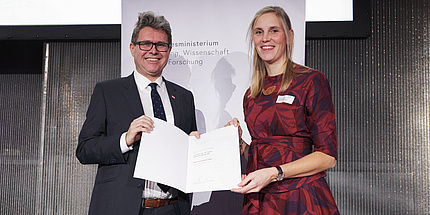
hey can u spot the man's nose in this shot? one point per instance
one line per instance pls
(153, 50)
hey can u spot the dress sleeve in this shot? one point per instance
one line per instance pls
(321, 116)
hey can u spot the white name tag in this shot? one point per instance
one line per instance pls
(285, 99)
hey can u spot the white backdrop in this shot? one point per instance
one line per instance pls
(210, 50)
(63, 12)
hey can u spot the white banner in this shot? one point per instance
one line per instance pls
(210, 50)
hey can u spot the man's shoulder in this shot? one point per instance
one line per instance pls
(114, 84)
(115, 81)
(176, 87)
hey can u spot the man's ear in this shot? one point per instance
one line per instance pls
(132, 49)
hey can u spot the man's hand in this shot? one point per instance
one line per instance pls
(139, 125)
(195, 134)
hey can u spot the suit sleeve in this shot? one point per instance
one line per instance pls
(95, 145)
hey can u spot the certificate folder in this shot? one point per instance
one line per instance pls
(169, 156)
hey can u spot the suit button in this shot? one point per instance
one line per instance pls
(111, 160)
(140, 186)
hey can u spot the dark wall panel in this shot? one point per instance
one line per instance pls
(74, 69)
(20, 118)
(381, 93)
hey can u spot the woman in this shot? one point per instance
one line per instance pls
(290, 116)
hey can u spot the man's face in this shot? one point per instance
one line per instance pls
(150, 63)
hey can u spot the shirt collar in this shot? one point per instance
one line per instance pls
(142, 82)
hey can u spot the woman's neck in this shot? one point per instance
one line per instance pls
(275, 69)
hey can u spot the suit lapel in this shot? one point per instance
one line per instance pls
(174, 101)
(131, 94)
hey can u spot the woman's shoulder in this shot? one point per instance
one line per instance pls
(247, 93)
(305, 72)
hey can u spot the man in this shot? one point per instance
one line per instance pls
(119, 111)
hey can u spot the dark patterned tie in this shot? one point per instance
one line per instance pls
(157, 107)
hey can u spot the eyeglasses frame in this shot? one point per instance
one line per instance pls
(140, 42)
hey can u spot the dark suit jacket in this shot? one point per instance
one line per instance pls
(114, 105)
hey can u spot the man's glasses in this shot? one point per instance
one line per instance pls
(147, 46)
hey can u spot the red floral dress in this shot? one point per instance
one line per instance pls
(285, 127)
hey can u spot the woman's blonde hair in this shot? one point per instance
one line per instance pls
(259, 70)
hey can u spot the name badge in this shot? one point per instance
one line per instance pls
(285, 99)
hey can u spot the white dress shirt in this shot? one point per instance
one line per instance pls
(151, 188)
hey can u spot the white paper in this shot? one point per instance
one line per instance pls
(169, 156)
(200, 198)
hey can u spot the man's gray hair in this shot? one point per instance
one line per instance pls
(149, 19)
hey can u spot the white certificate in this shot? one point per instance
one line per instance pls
(169, 156)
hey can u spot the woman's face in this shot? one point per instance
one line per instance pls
(270, 39)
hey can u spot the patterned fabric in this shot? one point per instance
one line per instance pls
(157, 107)
(285, 127)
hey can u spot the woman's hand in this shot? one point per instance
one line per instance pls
(235, 123)
(243, 147)
(257, 180)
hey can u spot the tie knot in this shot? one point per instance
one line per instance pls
(153, 86)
